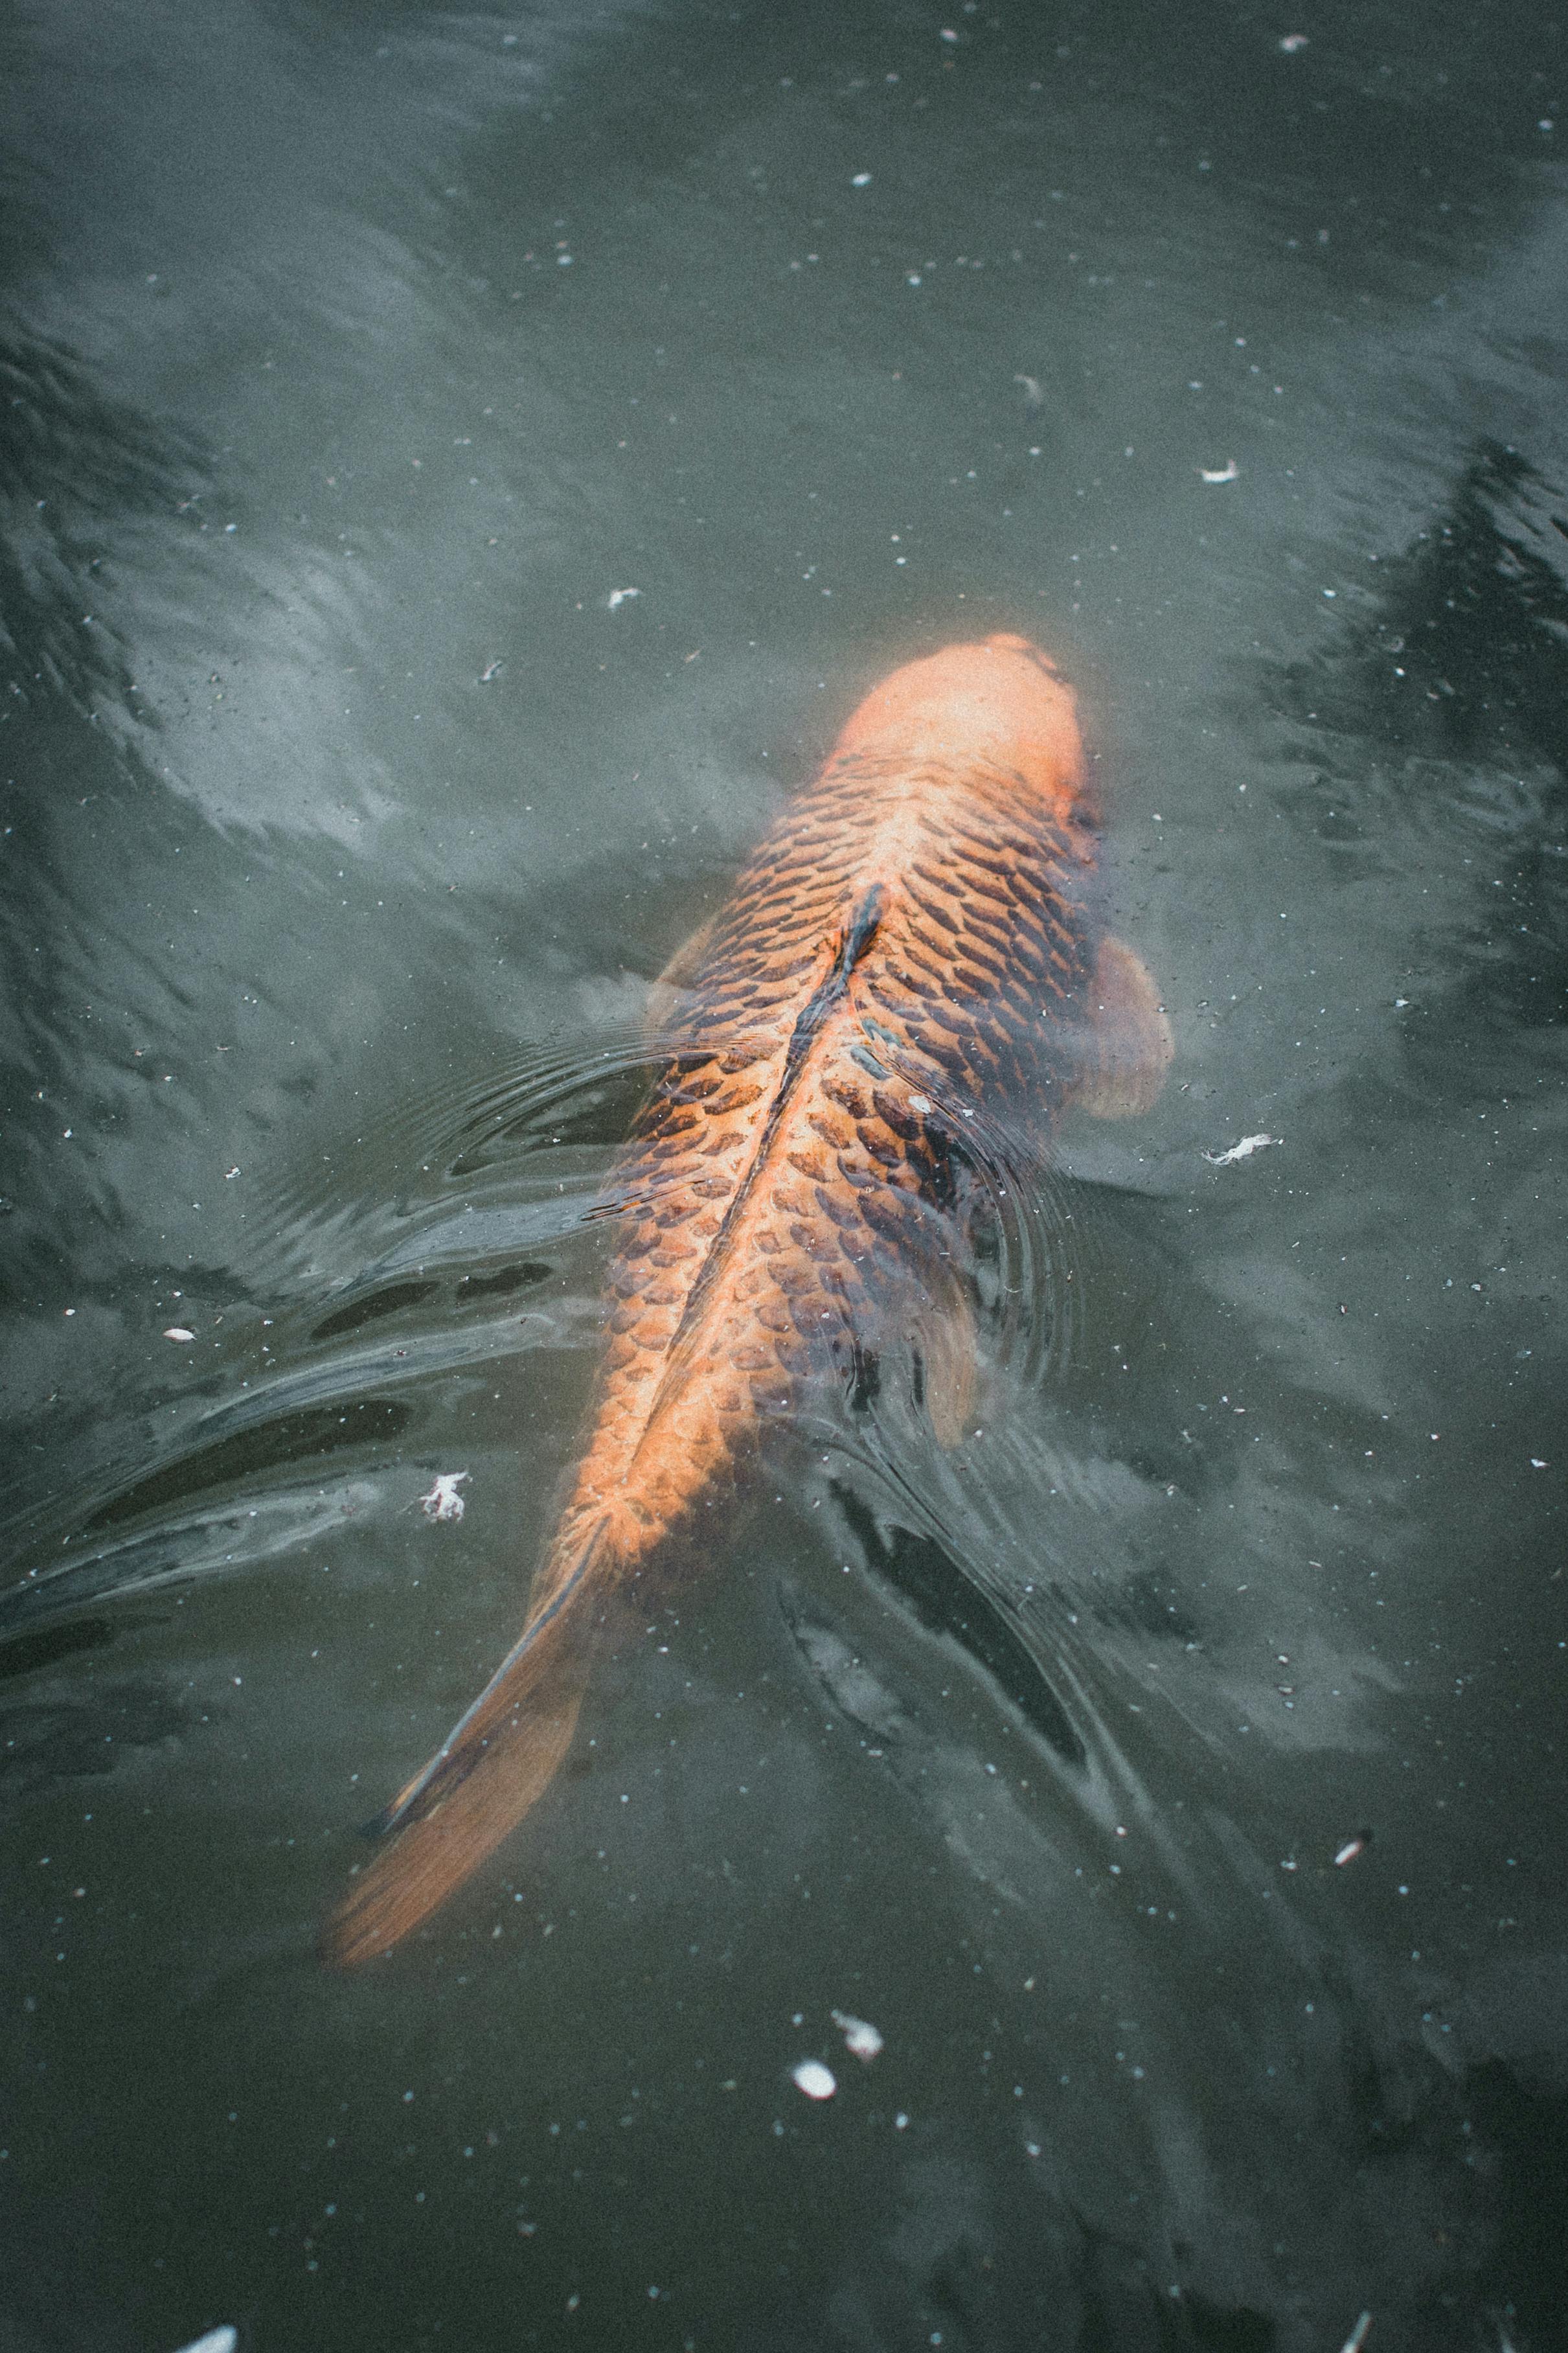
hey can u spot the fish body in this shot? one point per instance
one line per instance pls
(912, 946)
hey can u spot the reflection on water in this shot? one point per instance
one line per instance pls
(352, 365)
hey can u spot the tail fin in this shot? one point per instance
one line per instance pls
(493, 1765)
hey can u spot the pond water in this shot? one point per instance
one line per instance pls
(460, 471)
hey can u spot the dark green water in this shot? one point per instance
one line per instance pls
(353, 360)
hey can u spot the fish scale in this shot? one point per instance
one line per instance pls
(912, 945)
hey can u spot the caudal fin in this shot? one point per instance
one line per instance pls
(494, 1765)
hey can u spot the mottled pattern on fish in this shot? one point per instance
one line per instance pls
(893, 956)
(910, 943)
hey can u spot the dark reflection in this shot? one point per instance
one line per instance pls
(1124, 2310)
(391, 1301)
(1480, 610)
(597, 1114)
(1213, 2330)
(1466, 654)
(25, 1653)
(78, 470)
(506, 1280)
(85, 1735)
(1447, 710)
(945, 1601)
(397, 1298)
(864, 1382)
(1524, 2130)
(290, 1442)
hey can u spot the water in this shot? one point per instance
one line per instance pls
(354, 359)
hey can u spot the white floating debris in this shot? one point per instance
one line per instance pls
(443, 1502)
(178, 1331)
(1357, 2336)
(814, 2079)
(861, 2039)
(1538, 1462)
(216, 2340)
(1033, 396)
(1229, 473)
(861, 179)
(1351, 1849)
(1291, 42)
(618, 596)
(1242, 1151)
(490, 669)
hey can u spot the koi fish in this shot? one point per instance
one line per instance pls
(912, 943)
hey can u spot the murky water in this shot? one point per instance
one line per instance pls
(460, 471)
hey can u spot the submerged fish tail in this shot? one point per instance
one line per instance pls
(489, 1771)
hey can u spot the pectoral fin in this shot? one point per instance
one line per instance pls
(947, 1348)
(664, 996)
(1129, 1045)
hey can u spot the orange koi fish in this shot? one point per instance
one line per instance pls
(912, 943)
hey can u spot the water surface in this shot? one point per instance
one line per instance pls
(359, 364)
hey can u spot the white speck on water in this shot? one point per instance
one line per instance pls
(861, 179)
(618, 596)
(1291, 42)
(1242, 1151)
(216, 2340)
(1538, 1463)
(1357, 2336)
(861, 2039)
(1229, 473)
(490, 669)
(178, 1331)
(817, 2082)
(443, 1502)
(1348, 1852)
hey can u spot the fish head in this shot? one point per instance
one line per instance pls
(999, 702)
